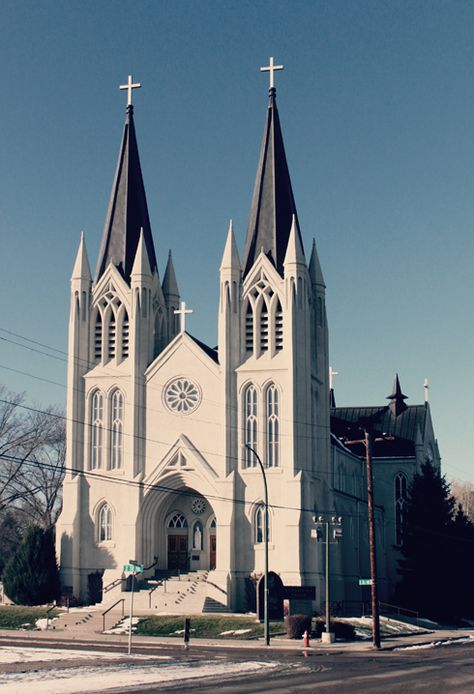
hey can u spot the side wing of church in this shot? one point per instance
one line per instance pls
(164, 432)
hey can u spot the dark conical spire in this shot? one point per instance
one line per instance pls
(397, 404)
(127, 212)
(273, 204)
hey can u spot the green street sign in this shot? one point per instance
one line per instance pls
(133, 568)
(365, 581)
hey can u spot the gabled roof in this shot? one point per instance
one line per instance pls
(273, 204)
(210, 351)
(127, 212)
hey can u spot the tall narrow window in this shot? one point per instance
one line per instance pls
(273, 427)
(112, 335)
(116, 428)
(249, 329)
(105, 523)
(278, 328)
(98, 337)
(264, 328)
(401, 496)
(250, 427)
(97, 413)
(125, 335)
(259, 525)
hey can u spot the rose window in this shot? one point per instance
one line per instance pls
(182, 396)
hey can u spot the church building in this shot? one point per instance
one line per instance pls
(165, 433)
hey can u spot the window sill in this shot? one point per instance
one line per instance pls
(260, 547)
(257, 470)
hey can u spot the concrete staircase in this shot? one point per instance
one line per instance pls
(80, 622)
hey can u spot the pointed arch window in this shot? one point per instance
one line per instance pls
(259, 525)
(125, 335)
(112, 334)
(250, 425)
(178, 520)
(401, 497)
(116, 429)
(278, 327)
(273, 426)
(264, 327)
(98, 337)
(97, 415)
(249, 328)
(105, 523)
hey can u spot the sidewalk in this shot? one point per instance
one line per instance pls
(277, 643)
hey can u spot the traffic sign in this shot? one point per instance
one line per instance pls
(365, 581)
(133, 568)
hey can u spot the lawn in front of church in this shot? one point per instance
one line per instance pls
(204, 626)
(19, 617)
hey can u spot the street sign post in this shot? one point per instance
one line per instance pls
(132, 568)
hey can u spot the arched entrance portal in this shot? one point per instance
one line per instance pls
(180, 528)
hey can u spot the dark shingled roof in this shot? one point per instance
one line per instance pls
(273, 204)
(210, 351)
(403, 427)
(127, 212)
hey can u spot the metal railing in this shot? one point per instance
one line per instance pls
(400, 611)
(111, 585)
(152, 590)
(122, 600)
(48, 611)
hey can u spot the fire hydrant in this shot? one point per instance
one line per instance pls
(306, 639)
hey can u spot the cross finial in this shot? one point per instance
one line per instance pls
(181, 312)
(426, 388)
(332, 373)
(271, 69)
(129, 86)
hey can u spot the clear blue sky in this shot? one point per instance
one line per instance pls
(377, 109)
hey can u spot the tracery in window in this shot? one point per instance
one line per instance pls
(97, 416)
(250, 425)
(273, 426)
(178, 520)
(105, 523)
(259, 525)
(116, 429)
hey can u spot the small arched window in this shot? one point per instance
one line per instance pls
(259, 525)
(116, 428)
(250, 426)
(273, 426)
(401, 496)
(213, 525)
(105, 523)
(249, 328)
(278, 327)
(98, 337)
(178, 520)
(125, 335)
(97, 414)
(112, 335)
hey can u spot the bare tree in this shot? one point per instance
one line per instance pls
(32, 452)
(463, 492)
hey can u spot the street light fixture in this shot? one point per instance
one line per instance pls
(266, 622)
(336, 522)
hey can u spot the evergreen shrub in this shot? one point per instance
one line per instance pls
(297, 624)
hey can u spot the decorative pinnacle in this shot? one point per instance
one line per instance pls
(129, 87)
(271, 69)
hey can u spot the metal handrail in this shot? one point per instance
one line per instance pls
(112, 584)
(122, 600)
(152, 590)
(399, 610)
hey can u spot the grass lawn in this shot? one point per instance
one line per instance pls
(204, 626)
(18, 617)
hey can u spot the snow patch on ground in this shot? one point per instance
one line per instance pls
(98, 679)
(435, 644)
(123, 626)
(12, 654)
(235, 632)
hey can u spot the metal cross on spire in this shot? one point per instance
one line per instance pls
(426, 388)
(271, 69)
(181, 312)
(331, 377)
(129, 86)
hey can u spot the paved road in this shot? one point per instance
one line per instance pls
(448, 668)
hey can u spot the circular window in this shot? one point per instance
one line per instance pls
(198, 505)
(182, 396)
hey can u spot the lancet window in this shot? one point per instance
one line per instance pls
(401, 496)
(112, 335)
(278, 327)
(263, 319)
(105, 523)
(250, 425)
(116, 430)
(249, 328)
(178, 520)
(259, 525)
(273, 426)
(97, 418)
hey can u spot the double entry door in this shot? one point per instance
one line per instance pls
(178, 552)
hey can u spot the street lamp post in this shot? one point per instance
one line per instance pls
(266, 623)
(336, 521)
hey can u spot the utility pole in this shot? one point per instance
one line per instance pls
(266, 621)
(336, 521)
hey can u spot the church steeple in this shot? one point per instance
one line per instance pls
(128, 211)
(273, 204)
(397, 404)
